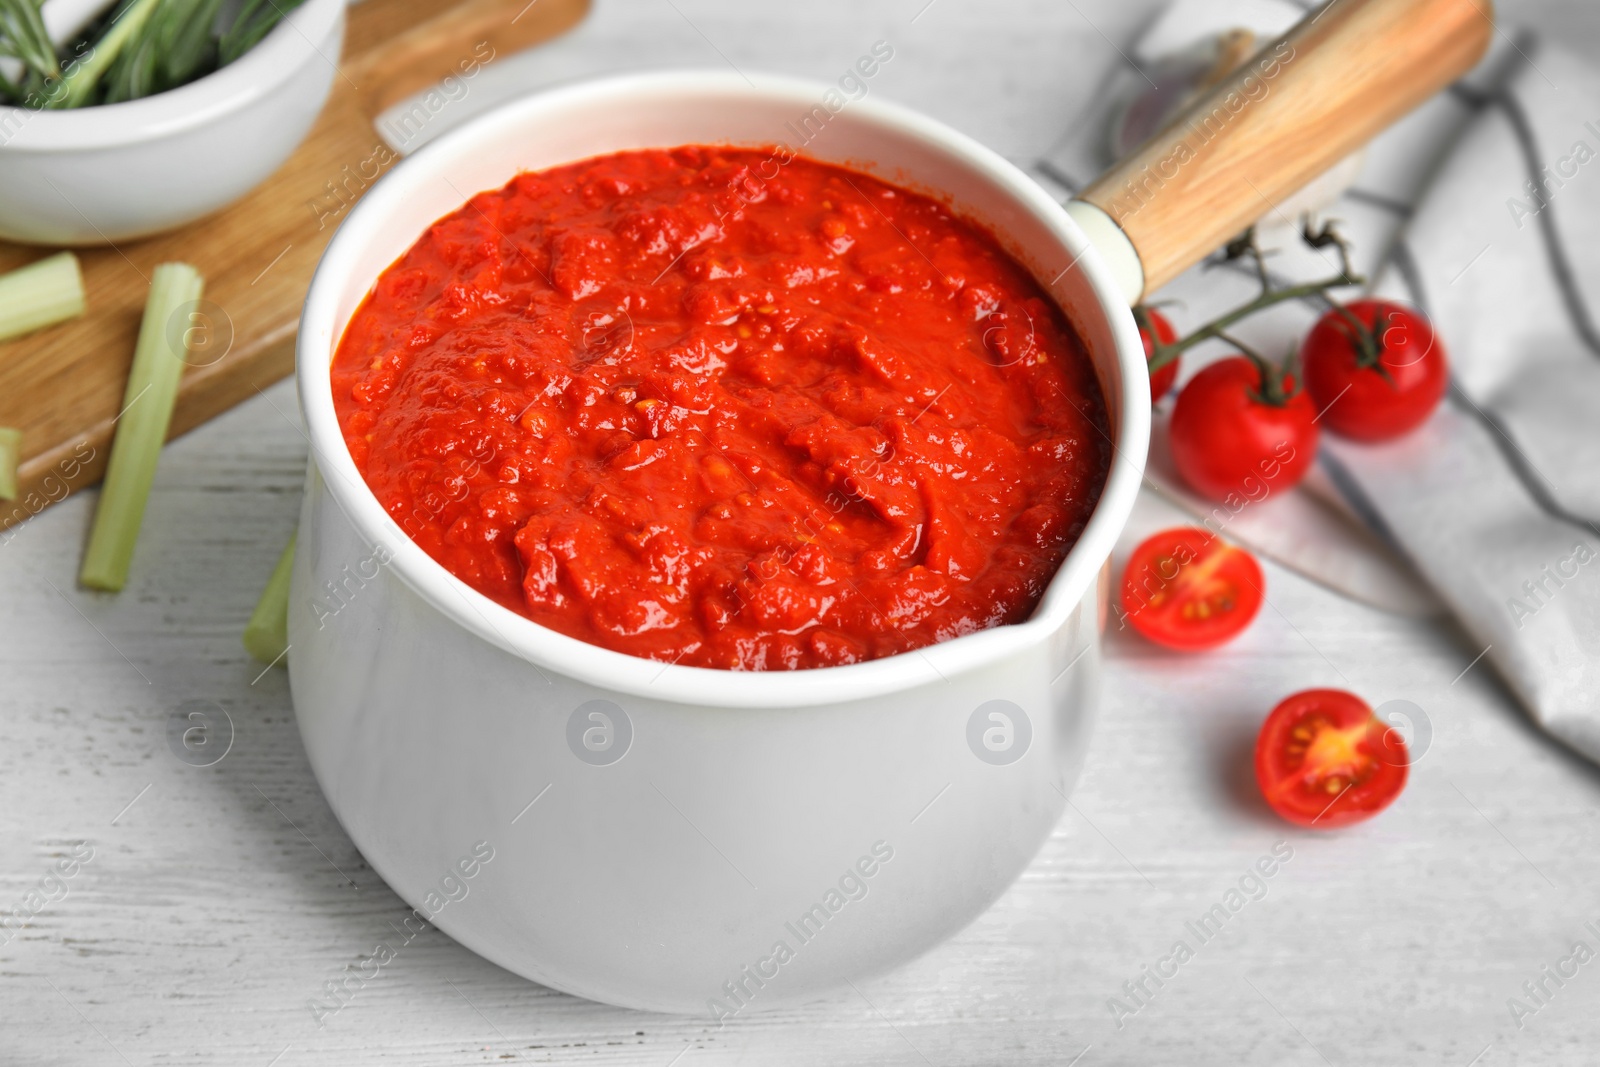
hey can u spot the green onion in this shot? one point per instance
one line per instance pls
(141, 427)
(41, 294)
(266, 635)
(10, 458)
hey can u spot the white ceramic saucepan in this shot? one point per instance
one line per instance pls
(693, 840)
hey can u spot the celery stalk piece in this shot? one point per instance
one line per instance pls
(10, 458)
(41, 294)
(141, 428)
(266, 635)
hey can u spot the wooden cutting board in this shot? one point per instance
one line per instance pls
(63, 386)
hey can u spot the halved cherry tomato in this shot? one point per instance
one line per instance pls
(1230, 440)
(1323, 759)
(1379, 392)
(1185, 589)
(1160, 380)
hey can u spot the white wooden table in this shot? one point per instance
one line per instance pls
(219, 900)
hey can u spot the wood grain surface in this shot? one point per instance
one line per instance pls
(63, 387)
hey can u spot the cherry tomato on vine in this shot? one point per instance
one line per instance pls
(1234, 435)
(1186, 589)
(1323, 759)
(1379, 381)
(1160, 380)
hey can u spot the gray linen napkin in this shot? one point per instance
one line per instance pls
(1496, 500)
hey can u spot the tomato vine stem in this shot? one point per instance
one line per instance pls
(1274, 388)
(1272, 378)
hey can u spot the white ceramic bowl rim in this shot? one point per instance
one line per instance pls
(567, 656)
(276, 58)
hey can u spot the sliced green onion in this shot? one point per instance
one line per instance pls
(266, 635)
(10, 458)
(141, 427)
(40, 294)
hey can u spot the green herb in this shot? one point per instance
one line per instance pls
(172, 47)
(83, 78)
(191, 45)
(266, 635)
(10, 459)
(256, 20)
(22, 34)
(41, 294)
(147, 405)
(140, 48)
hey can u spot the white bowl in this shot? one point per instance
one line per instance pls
(96, 175)
(433, 716)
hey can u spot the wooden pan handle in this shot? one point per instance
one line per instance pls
(1302, 104)
(421, 52)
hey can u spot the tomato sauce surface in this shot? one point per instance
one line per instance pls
(725, 408)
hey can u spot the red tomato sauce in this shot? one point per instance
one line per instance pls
(709, 408)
